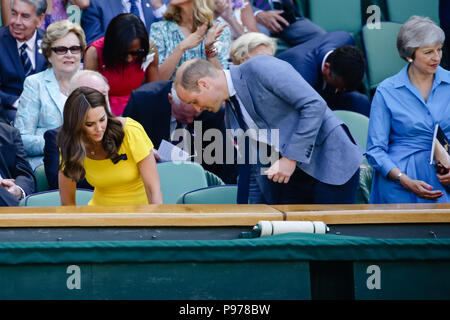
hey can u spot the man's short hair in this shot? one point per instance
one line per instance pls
(193, 71)
(40, 6)
(347, 62)
(73, 82)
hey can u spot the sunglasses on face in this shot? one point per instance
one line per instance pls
(63, 50)
(136, 53)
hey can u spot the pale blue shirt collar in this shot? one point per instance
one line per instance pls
(402, 78)
(230, 85)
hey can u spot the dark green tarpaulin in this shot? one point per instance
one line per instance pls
(293, 246)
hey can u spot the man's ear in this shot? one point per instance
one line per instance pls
(203, 83)
(41, 19)
(169, 96)
(326, 68)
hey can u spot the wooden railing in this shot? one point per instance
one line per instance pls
(218, 215)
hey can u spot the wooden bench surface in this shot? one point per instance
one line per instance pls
(218, 215)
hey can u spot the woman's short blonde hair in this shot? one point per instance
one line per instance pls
(58, 30)
(242, 47)
(203, 12)
(418, 32)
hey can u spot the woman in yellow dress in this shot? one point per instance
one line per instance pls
(113, 153)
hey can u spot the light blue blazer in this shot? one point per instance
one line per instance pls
(276, 96)
(40, 108)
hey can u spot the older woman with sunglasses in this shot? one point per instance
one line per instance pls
(44, 95)
(125, 57)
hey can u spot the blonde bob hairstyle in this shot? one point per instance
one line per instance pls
(58, 30)
(203, 12)
(242, 47)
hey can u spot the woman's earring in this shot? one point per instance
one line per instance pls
(410, 60)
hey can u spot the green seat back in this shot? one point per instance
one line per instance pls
(51, 198)
(212, 179)
(357, 123)
(365, 184)
(41, 179)
(380, 46)
(401, 10)
(335, 15)
(179, 177)
(224, 194)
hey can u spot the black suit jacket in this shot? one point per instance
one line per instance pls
(12, 74)
(150, 106)
(13, 164)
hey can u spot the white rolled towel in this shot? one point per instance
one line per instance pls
(269, 228)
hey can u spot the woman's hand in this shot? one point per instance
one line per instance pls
(420, 188)
(213, 34)
(194, 39)
(444, 179)
(224, 8)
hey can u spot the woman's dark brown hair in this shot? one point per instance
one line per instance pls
(70, 137)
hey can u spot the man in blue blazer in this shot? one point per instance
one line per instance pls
(334, 67)
(318, 158)
(96, 17)
(16, 177)
(26, 17)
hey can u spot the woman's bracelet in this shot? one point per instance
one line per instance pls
(211, 51)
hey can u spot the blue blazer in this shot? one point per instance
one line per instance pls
(12, 74)
(277, 97)
(40, 109)
(307, 57)
(96, 17)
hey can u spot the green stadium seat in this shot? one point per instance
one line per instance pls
(41, 179)
(52, 198)
(401, 10)
(357, 123)
(380, 46)
(223, 194)
(179, 177)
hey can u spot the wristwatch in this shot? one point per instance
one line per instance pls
(398, 177)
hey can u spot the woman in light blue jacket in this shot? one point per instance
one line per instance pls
(44, 95)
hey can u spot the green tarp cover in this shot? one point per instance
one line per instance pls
(292, 246)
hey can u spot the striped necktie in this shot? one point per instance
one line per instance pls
(27, 66)
(134, 9)
(263, 4)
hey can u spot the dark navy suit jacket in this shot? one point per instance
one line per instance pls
(307, 59)
(12, 74)
(96, 17)
(150, 106)
(13, 164)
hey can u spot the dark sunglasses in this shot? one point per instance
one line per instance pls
(63, 50)
(136, 53)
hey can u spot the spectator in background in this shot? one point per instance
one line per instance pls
(188, 32)
(56, 10)
(84, 78)
(96, 18)
(125, 57)
(405, 110)
(156, 106)
(16, 176)
(20, 54)
(334, 67)
(113, 153)
(44, 95)
(281, 19)
(238, 14)
(251, 44)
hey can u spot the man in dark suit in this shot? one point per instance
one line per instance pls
(96, 17)
(318, 158)
(161, 113)
(20, 54)
(16, 176)
(334, 67)
(282, 19)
